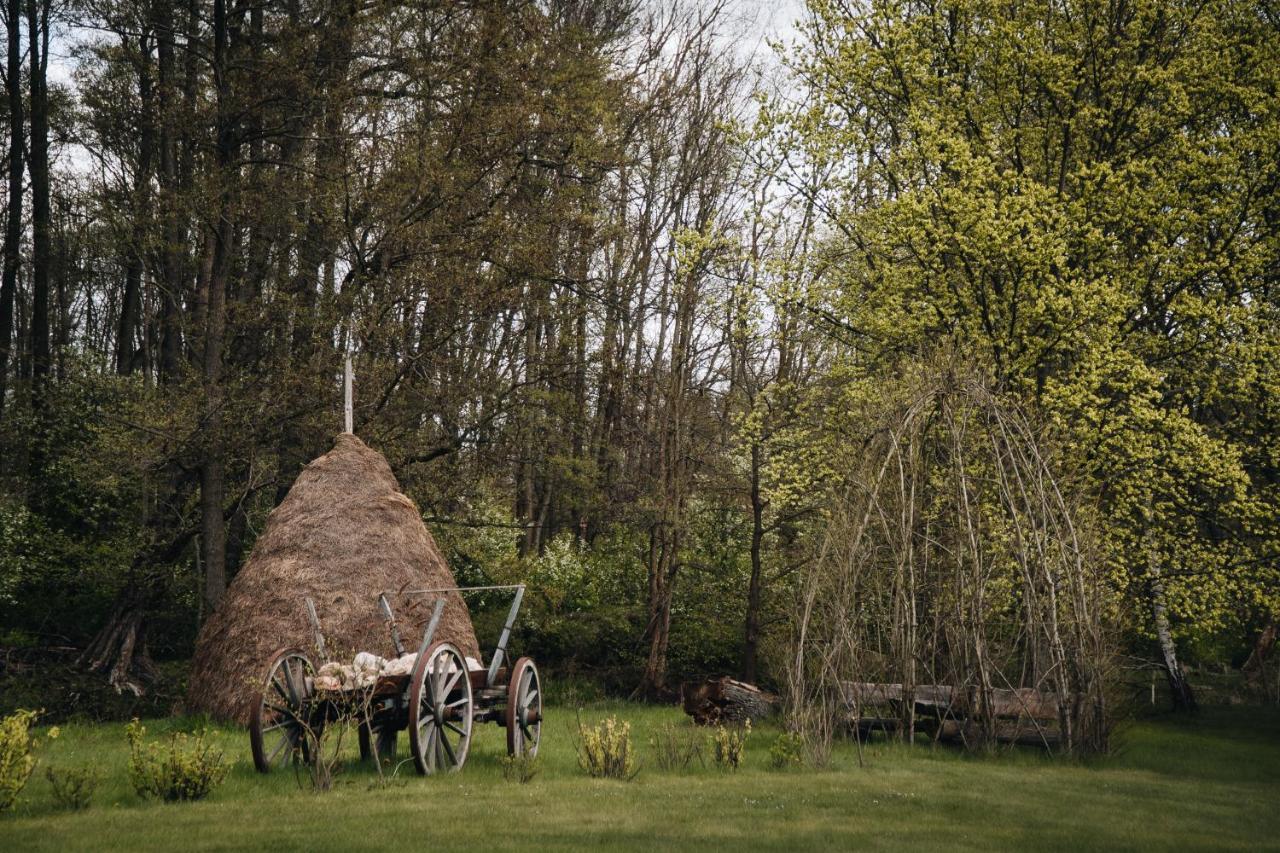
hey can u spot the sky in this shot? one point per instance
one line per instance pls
(766, 19)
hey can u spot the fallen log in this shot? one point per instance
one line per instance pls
(1022, 733)
(866, 725)
(1019, 703)
(719, 700)
(940, 700)
(1021, 716)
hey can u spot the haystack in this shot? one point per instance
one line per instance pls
(343, 534)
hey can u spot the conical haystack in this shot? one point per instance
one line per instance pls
(343, 534)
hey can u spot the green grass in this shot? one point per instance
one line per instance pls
(1211, 783)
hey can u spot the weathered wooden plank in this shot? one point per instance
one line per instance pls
(943, 700)
(1024, 702)
(870, 693)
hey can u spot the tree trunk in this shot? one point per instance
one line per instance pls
(670, 471)
(177, 101)
(37, 48)
(213, 535)
(131, 303)
(215, 274)
(1255, 668)
(213, 531)
(664, 543)
(13, 221)
(1179, 690)
(755, 586)
(119, 649)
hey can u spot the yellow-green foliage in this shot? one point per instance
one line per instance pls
(787, 751)
(185, 768)
(605, 750)
(729, 745)
(16, 760)
(1112, 266)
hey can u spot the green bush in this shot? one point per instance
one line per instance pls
(186, 768)
(73, 789)
(585, 603)
(605, 750)
(729, 745)
(521, 768)
(787, 751)
(676, 746)
(16, 760)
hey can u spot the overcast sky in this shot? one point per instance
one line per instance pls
(764, 19)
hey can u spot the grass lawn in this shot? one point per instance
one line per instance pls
(1213, 783)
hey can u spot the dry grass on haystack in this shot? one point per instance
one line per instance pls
(343, 534)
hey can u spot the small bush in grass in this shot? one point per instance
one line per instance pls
(16, 760)
(676, 747)
(787, 751)
(520, 768)
(729, 745)
(605, 751)
(186, 768)
(73, 788)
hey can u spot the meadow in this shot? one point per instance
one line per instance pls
(1204, 783)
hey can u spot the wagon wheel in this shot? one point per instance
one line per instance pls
(278, 721)
(440, 707)
(524, 709)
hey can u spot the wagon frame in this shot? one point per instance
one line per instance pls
(434, 702)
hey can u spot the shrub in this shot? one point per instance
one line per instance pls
(729, 745)
(16, 760)
(326, 746)
(186, 768)
(787, 751)
(676, 746)
(521, 768)
(73, 789)
(604, 750)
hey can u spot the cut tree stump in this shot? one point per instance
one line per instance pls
(717, 700)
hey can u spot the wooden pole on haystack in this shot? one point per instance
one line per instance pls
(348, 415)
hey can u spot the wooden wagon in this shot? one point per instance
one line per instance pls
(438, 701)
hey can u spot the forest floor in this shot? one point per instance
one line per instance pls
(1208, 783)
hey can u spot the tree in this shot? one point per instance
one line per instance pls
(1080, 195)
(38, 165)
(13, 215)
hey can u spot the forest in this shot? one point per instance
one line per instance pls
(930, 341)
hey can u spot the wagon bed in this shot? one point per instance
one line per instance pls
(432, 701)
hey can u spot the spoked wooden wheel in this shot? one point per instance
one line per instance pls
(278, 720)
(440, 707)
(524, 709)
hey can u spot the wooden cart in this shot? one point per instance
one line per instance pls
(435, 702)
